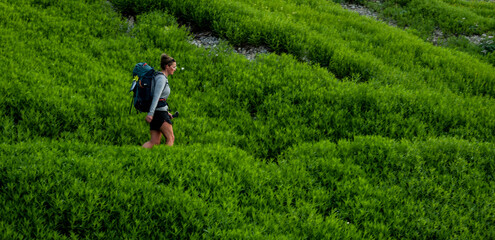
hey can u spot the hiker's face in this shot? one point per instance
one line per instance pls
(171, 69)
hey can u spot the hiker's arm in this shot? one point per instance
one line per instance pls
(160, 84)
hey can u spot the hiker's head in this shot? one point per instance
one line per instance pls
(168, 64)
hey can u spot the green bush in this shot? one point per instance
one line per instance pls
(273, 148)
(263, 106)
(361, 189)
(200, 191)
(402, 186)
(358, 46)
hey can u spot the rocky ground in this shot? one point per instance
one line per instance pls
(363, 11)
(208, 40)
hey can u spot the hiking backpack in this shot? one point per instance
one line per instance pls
(144, 76)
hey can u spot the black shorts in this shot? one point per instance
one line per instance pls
(158, 119)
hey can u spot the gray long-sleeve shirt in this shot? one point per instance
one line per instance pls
(160, 89)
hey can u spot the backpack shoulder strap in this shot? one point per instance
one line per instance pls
(160, 73)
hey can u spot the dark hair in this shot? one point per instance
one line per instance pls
(165, 61)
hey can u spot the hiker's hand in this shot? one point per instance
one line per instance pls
(170, 115)
(149, 118)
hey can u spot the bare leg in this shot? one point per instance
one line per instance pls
(156, 137)
(168, 132)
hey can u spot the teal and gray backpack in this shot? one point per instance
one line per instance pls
(144, 76)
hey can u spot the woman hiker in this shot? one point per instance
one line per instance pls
(158, 117)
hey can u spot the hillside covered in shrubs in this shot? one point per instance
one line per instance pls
(349, 129)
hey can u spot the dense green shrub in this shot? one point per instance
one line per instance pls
(453, 17)
(200, 191)
(262, 106)
(273, 148)
(403, 186)
(367, 188)
(358, 46)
